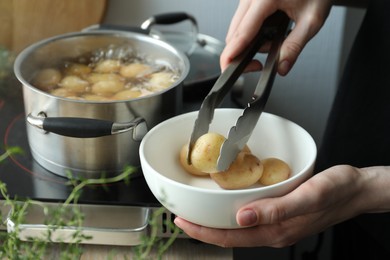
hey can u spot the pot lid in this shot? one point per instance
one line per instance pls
(203, 53)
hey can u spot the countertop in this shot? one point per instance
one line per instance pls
(181, 249)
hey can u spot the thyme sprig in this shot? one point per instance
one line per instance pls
(154, 247)
(10, 151)
(151, 247)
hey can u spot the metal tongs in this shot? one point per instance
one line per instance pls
(274, 29)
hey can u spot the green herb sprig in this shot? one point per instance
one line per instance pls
(151, 247)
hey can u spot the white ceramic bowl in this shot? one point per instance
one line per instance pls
(199, 199)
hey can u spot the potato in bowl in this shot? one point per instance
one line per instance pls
(199, 199)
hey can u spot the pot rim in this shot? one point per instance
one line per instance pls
(115, 33)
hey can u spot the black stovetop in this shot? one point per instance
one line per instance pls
(25, 178)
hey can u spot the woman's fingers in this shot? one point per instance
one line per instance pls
(309, 17)
(236, 20)
(245, 25)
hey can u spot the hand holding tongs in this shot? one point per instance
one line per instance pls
(274, 29)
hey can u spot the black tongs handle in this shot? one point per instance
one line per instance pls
(227, 79)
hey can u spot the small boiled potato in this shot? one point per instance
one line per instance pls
(245, 171)
(96, 77)
(134, 70)
(91, 97)
(75, 97)
(206, 151)
(246, 149)
(78, 69)
(108, 66)
(74, 83)
(105, 88)
(127, 94)
(189, 167)
(47, 79)
(161, 80)
(275, 170)
(62, 92)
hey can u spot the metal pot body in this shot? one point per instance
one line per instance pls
(91, 156)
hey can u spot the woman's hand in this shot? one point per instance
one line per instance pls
(328, 198)
(308, 15)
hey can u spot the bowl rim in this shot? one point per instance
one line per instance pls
(248, 190)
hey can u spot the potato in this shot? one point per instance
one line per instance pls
(127, 94)
(47, 79)
(206, 151)
(275, 170)
(62, 92)
(91, 97)
(108, 66)
(96, 77)
(161, 80)
(245, 171)
(74, 83)
(134, 70)
(189, 167)
(78, 69)
(246, 149)
(75, 97)
(105, 88)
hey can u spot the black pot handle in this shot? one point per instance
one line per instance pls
(172, 18)
(87, 127)
(169, 18)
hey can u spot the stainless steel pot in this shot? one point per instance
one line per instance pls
(87, 138)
